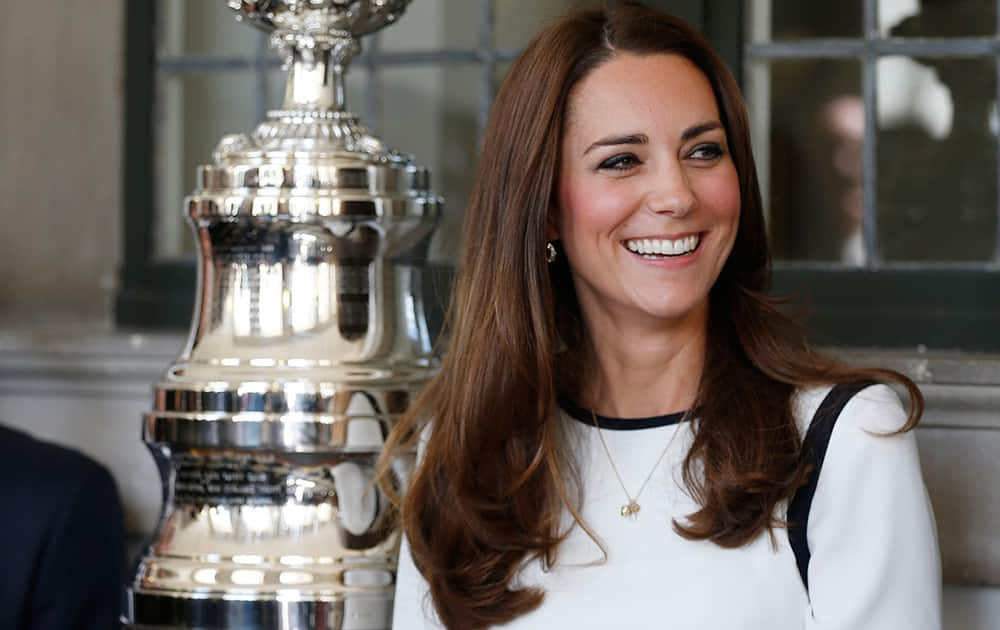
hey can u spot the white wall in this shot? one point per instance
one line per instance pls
(60, 154)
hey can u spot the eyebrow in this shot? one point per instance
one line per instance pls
(700, 128)
(611, 141)
(640, 138)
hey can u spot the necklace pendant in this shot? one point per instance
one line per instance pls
(631, 510)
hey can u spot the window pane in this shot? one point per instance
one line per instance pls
(517, 22)
(434, 24)
(200, 27)
(808, 146)
(782, 20)
(195, 110)
(500, 73)
(937, 189)
(431, 112)
(937, 18)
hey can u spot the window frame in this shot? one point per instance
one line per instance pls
(151, 293)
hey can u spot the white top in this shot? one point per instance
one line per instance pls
(871, 533)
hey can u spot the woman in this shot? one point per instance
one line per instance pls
(625, 431)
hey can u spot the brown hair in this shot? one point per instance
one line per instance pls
(495, 475)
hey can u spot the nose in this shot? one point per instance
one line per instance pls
(670, 191)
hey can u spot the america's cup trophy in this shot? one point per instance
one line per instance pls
(309, 339)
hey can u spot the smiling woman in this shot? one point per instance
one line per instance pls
(614, 353)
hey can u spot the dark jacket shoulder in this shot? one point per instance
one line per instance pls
(62, 537)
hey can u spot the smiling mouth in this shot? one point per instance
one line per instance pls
(660, 248)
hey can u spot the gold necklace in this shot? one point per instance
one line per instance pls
(631, 509)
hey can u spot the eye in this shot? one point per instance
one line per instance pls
(707, 152)
(622, 162)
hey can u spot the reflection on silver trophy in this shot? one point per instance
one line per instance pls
(309, 339)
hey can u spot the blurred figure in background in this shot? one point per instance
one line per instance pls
(62, 538)
(936, 192)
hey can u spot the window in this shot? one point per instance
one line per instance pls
(875, 133)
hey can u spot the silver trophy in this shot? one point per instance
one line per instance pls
(309, 339)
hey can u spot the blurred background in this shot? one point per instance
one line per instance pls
(875, 129)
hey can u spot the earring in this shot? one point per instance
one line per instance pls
(550, 252)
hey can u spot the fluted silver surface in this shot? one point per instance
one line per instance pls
(308, 340)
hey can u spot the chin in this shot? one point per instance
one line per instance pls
(668, 300)
(671, 310)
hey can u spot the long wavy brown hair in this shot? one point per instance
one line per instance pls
(495, 475)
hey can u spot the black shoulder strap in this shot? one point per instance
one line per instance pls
(814, 451)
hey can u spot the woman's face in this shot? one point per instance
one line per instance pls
(649, 198)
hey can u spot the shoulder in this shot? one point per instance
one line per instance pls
(18, 446)
(876, 408)
(870, 528)
(852, 436)
(65, 551)
(870, 408)
(46, 474)
(863, 454)
(805, 401)
(865, 435)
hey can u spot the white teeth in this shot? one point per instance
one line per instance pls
(662, 246)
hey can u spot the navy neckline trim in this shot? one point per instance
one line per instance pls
(619, 424)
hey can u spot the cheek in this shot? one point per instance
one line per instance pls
(589, 207)
(720, 197)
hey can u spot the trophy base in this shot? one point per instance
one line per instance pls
(255, 541)
(158, 611)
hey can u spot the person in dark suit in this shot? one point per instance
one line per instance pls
(62, 540)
